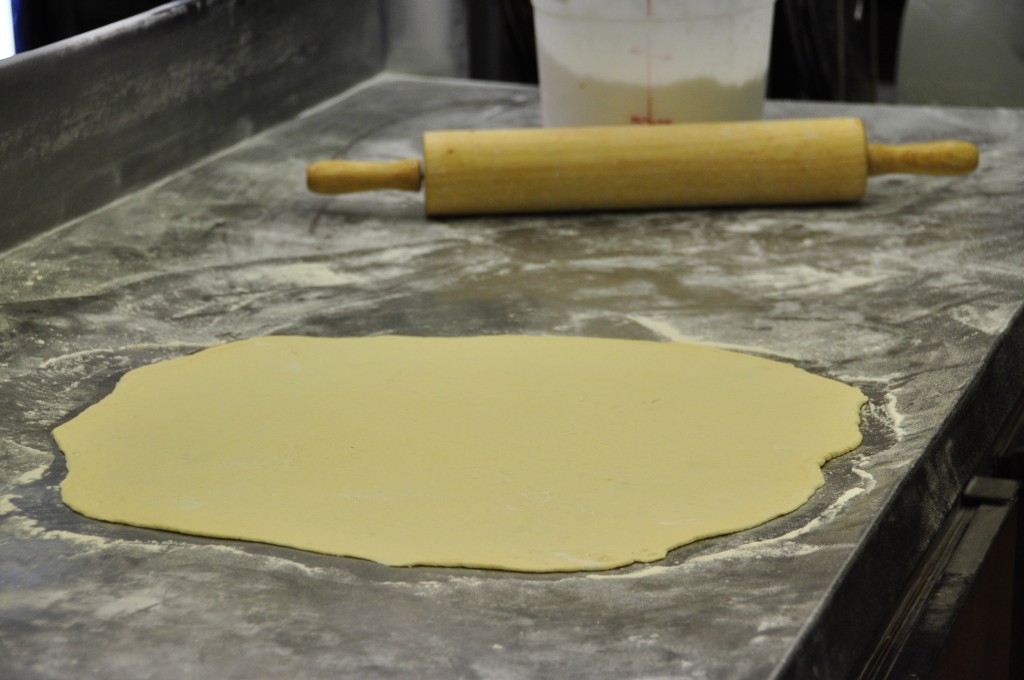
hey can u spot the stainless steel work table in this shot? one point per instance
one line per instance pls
(913, 296)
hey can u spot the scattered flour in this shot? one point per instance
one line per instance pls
(888, 411)
(6, 506)
(806, 277)
(992, 321)
(870, 483)
(30, 528)
(33, 475)
(266, 560)
(75, 356)
(669, 332)
(302, 275)
(641, 573)
(894, 416)
(129, 604)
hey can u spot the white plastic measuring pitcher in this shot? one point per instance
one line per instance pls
(617, 62)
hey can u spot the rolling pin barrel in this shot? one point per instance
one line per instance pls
(634, 167)
(664, 166)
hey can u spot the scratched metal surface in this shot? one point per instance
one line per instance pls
(89, 119)
(911, 295)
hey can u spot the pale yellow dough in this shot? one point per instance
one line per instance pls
(506, 452)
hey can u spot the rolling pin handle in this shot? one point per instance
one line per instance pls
(928, 158)
(344, 177)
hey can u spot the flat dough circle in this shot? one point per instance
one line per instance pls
(505, 452)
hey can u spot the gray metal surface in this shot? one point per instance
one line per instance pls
(427, 37)
(88, 119)
(912, 296)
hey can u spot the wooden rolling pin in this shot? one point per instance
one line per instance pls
(658, 166)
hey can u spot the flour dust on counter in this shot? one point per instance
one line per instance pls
(522, 453)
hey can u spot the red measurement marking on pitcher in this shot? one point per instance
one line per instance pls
(648, 118)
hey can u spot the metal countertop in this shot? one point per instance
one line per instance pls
(913, 296)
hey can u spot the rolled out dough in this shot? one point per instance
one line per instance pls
(505, 452)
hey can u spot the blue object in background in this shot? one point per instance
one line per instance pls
(21, 42)
(41, 22)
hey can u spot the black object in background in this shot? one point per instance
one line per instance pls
(41, 22)
(834, 50)
(501, 42)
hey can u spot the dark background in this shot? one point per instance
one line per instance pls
(829, 50)
(40, 22)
